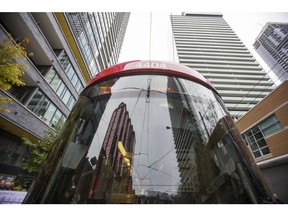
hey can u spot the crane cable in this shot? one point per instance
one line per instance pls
(150, 36)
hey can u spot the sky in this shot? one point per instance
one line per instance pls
(149, 34)
(246, 17)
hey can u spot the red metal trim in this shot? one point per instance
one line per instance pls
(138, 67)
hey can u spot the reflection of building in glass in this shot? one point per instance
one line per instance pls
(187, 138)
(119, 141)
(272, 45)
(206, 169)
(117, 158)
(156, 197)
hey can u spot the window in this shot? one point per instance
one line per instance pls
(58, 86)
(11, 150)
(56, 118)
(270, 125)
(36, 102)
(254, 137)
(71, 73)
(71, 102)
(64, 60)
(53, 79)
(22, 93)
(45, 109)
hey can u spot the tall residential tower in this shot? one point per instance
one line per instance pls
(206, 43)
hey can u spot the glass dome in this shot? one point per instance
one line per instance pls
(148, 134)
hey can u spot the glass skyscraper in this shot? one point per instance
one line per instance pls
(99, 37)
(206, 43)
(272, 45)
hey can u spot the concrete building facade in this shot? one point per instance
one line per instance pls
(206, 43)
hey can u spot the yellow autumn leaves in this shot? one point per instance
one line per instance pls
(11, 69)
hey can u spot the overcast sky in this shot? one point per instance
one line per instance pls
(149, 34)
(246, 17)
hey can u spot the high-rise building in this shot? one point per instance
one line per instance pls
(99, 37)
(206, 43)
(272, 45)
(68, 50)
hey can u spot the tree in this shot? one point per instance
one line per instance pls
(10, 68)
(39, 151)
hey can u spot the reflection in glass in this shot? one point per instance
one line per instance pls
(148, 139)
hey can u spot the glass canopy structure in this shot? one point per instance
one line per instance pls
(149, 132)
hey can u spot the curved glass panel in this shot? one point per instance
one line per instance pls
(148, 139)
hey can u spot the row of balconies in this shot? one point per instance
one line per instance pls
(208, 39)
(213, 51)
(210, 67)
(217, 58)
(219, 62)
(226, 92)
(205, 36)
(239, 107)
(216, 55)
(239, 82)
(236, 76)
(228, 71)
(245, 100)
(200, 26)
(200, 20)
(203, 31)
(188, 19)
(212, 46)
(211, 43)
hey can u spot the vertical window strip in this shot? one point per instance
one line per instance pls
(98, 44)
(70, 71)
(109, 38)
(114, 41)
(104, 53)
(59, 86)
(41, 106)
(101, 56)
(93, 47)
